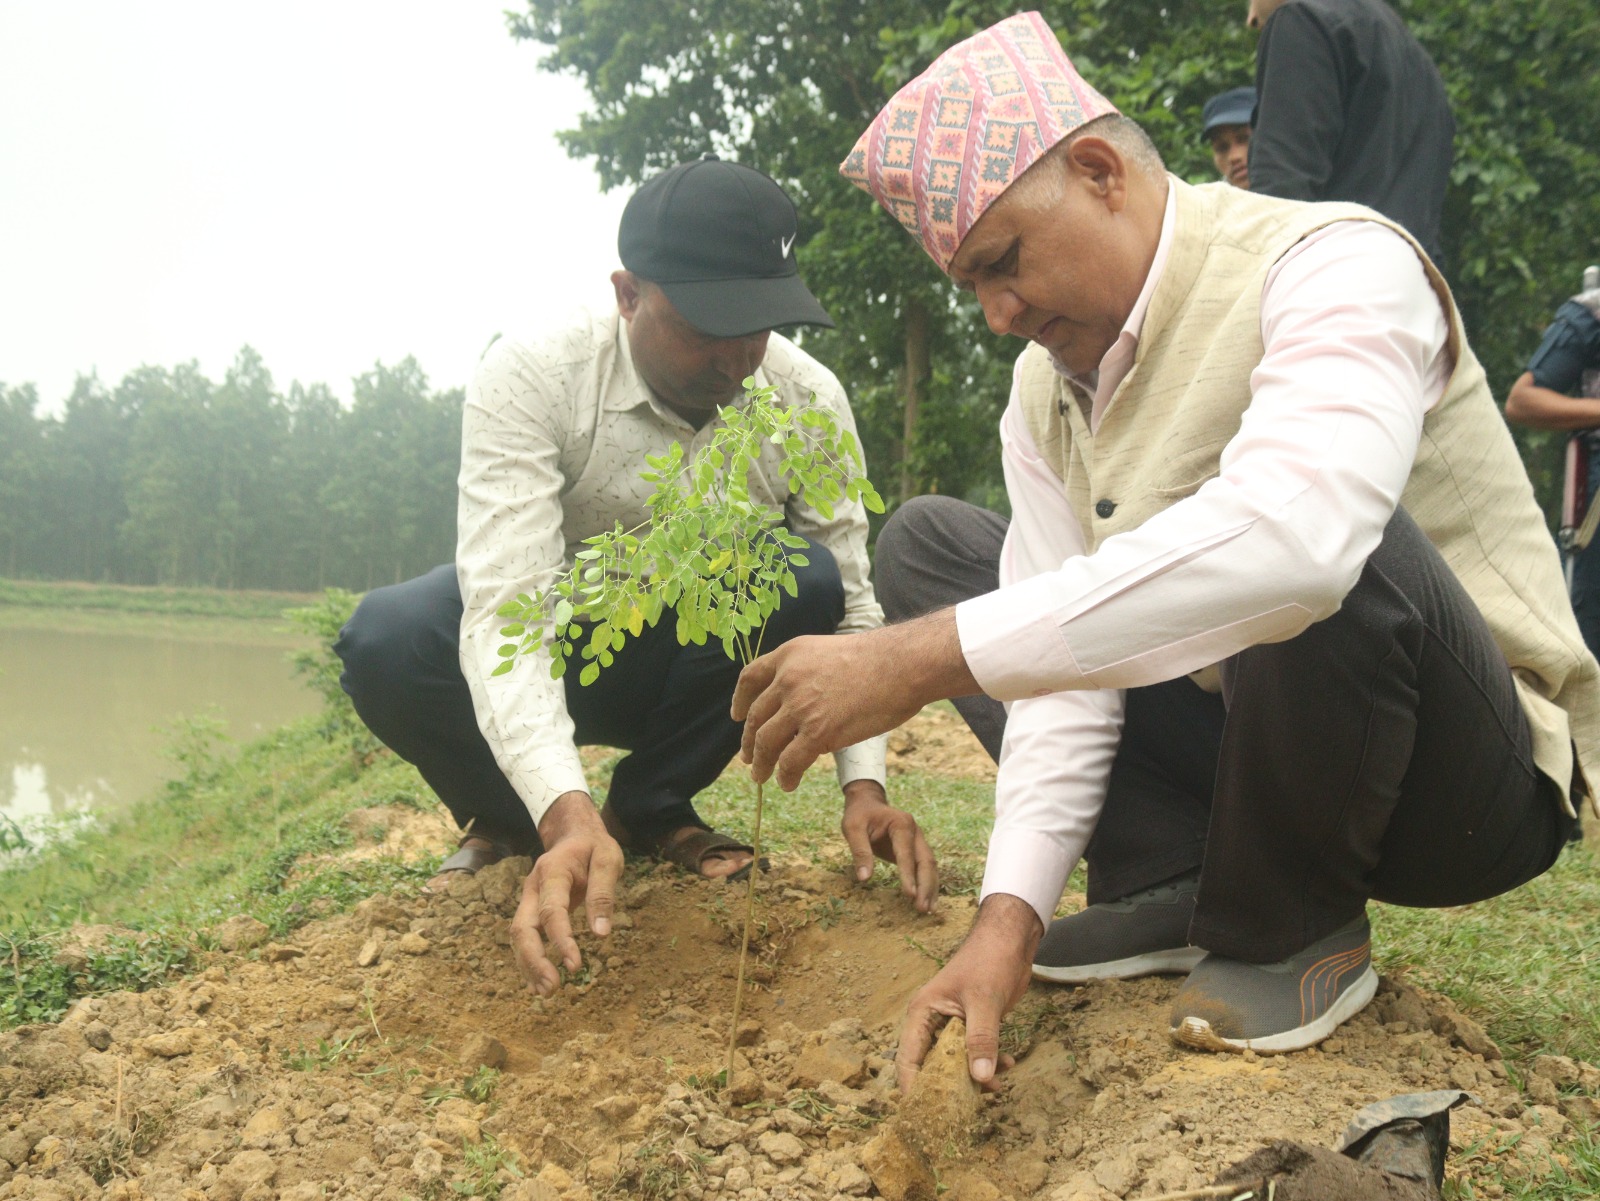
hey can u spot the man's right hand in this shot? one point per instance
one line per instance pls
(580, 866)
(979, 984)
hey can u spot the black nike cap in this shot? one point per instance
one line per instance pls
(718, 239)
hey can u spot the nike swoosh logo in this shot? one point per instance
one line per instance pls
(785, 243)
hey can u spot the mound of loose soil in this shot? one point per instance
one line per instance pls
(339, 1066)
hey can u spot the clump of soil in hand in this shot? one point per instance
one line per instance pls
(937, 1122)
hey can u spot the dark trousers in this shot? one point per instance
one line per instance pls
(1584, 564)
(1586, 592)
(666, 704)
(1380, 754)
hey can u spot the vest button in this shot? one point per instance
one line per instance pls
(1105, 508)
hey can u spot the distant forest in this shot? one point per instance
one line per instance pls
(172, 478)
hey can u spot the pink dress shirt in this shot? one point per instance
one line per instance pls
(1355, 356)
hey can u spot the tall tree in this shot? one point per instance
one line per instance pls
(787, 86)
(393, 498)
(85, 466)
(21, 458)
(1522, 217)
(304, 538)
(173, 482)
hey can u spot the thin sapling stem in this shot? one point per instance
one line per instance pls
(710, 554)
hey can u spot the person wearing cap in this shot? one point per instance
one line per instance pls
(1278, 621)
(1351, 107)
(1225, 125)
(556, 431)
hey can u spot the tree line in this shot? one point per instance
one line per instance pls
(787, 85)
(172, 478)
(169, 478)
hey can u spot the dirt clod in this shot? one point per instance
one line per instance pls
(241, 933)
(940, 1117)
(898, 1169)
(481, 1051)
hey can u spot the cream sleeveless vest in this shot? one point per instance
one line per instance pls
(1162, 435)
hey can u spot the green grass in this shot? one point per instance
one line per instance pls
(1574, 1175)
(233, 836)
(229, 837)
(1527, 964)
(193, 602)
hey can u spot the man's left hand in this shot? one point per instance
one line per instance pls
(822, 693)
(874, 828)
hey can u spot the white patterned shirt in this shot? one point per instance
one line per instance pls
(555, 433)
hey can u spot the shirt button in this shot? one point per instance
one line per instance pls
(1105, 508)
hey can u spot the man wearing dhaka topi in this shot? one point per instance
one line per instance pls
(1277, 619)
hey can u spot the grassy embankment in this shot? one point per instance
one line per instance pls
(122, 598)
(234, 834)
(188, 613)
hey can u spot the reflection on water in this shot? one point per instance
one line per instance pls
(81, 714)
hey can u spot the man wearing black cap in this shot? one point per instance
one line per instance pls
(1225, 123)
(555, 434)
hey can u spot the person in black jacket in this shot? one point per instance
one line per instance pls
(1350, 108)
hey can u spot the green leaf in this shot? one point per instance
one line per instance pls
(589, 674)
(502, 669)
(506, 652)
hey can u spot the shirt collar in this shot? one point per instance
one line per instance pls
(1114, 365)
(628, 389)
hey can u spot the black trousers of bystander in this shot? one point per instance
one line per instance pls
(1380, 754)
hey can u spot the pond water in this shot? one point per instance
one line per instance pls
(86, 712)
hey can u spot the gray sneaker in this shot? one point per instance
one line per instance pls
(1141, 935)
(1228, 1005)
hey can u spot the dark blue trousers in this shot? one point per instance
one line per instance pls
(665, 704)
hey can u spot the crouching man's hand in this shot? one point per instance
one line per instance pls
(825, 692)
(580, 866)
(981, 982)
(873, 828)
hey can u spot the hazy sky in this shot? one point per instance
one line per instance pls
(333, 183)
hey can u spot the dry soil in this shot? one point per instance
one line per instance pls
(338, 1064)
